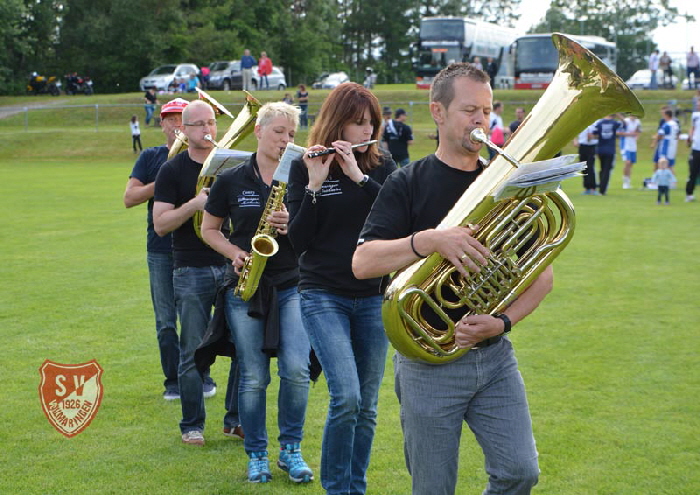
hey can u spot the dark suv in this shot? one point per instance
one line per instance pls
(225, 76)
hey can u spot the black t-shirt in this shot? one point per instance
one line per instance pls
(151, 97)
(417, 197)
(145, 170)
(325, 233)
(240, 193)
(397, 135)
(176, 184)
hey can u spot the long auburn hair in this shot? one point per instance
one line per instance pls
(345, 104)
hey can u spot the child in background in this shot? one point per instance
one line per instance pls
(135, 133)
(663, 178)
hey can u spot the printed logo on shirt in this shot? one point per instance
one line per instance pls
(249, 199)
(331, 188)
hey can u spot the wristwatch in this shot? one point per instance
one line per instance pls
(506, 322)
(365, 180)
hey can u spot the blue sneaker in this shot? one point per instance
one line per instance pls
(293, 463)
(259, 468)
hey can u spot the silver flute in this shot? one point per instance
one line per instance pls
(328, 151)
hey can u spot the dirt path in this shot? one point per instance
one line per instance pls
(8, 111)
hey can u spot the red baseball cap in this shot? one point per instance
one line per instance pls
(174, 106)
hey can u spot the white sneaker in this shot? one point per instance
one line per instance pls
(208, 390)
(193, 437)
(689, 198)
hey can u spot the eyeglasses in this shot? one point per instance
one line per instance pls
(202, 123)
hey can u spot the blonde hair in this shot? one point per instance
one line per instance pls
(274, 109)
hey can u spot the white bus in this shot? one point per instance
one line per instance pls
(444, 40)
(534, 59)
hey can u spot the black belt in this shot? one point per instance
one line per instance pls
(488, 342)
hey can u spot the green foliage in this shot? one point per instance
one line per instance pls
(608, 357)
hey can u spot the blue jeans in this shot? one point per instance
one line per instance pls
(304, 116)
(150, 108)
(348, 338)
(160, 271)
(654, 83)
(483, 388)
(195, 295)
(293, 364)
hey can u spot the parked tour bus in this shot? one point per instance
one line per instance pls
(534, 59)
(444, 40)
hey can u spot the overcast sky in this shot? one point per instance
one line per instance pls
(675, 39)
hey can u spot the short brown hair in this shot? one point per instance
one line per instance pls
(345, 104)
(442, 88)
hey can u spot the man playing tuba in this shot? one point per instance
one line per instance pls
(198, 270)
(482, 387)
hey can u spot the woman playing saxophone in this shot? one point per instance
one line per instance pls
(241, 193)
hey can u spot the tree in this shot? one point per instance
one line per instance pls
(627, 22)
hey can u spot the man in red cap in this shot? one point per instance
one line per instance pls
(139, 189)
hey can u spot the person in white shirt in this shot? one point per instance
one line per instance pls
(692, 63)
(135, 133)
(694, 142)
(633, 127)
(587, 143)
(654, 67)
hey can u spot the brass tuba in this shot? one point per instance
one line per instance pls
(241, 127)
(524, 234)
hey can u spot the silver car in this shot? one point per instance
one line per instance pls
(162, 77)
(276, 79)
(330, 81)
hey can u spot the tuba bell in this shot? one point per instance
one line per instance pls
(218, 159)
(524, 234)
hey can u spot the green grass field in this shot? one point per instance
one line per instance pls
(610, 358)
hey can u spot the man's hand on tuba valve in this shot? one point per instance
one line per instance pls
(456, 244)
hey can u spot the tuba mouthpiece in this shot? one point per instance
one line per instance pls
(211, 140)
(478, 136)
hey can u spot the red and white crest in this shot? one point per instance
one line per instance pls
(70, 394)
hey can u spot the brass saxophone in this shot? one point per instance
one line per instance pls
(263, 244)
(424, 299)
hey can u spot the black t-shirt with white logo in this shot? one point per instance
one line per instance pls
(240, 193)
(324, 233)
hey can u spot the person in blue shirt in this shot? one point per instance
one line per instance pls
(666, 139)
(663, 177)
(606, 130)
(247, 63)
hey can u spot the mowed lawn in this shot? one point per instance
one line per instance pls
(610, 358)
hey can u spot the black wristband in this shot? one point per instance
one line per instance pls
(414, 248)
(506, 322)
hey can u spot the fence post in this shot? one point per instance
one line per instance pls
(97, 117)
(26, 119)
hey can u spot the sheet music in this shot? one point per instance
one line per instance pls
(224, 159)
(540, 177)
